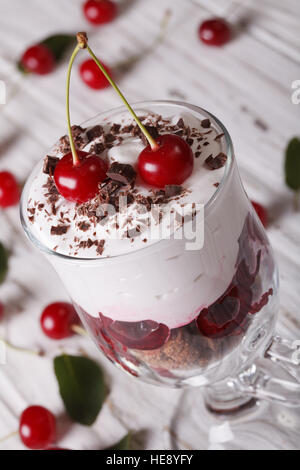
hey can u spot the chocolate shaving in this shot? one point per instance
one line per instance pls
(84, 226)
(59, 229)
(97, 148)
(122, 173)
(172, 190)
(214, 163)
(49, 165)
(109, 138)
(205, 123)
(115, 128)
(180, 123)
(152, 131)
(94, 132)
(100, 247)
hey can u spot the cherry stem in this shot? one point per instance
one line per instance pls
(76, 159)
(79, 330)
(8, 436)
(16, 348)
(153, 144)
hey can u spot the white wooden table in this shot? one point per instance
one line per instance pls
(247, 85)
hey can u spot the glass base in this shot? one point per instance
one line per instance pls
(221, 399)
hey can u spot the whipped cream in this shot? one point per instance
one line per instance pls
(81, 233)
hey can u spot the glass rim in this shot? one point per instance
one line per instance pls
(207, 206)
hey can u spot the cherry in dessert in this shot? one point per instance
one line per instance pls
(57, 320)
(1, 310)
(215, 32)
(9, 189)
(38, 59)
(79, 182)
(230, 314)
(261, 212)
(171, 162)
(37, 427)
(144, 335)
(92, 76)
(100, 11)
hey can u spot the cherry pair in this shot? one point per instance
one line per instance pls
(166, 160)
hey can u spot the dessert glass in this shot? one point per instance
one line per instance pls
(222, 299)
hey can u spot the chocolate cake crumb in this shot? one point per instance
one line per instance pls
(59, 229)
(94, 132)
(197, 154)
(216, 185)
(122, 173)
(205, 123)
(49, 165)
(214, 163)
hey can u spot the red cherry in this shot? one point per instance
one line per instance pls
(171, 163)
(92, 75)
(215, 32)
(37, 427)
(38, 59)
(261, 212)
(79, 183)
(100, 11)
(57, 320)
(9, 189)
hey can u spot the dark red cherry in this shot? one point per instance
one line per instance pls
(9, 189)
(38, 59)
(57, 320)
(171, 163)
(37, 427)
(100, 11)
(1, 310)
(261, 212)
(92, 75)
(215, 32)
(144, 335)
(79, 183)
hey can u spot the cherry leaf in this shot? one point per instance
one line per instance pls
(292, 164)
(3, 263)
(81, 386)
(123, 444)
(58, 44)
